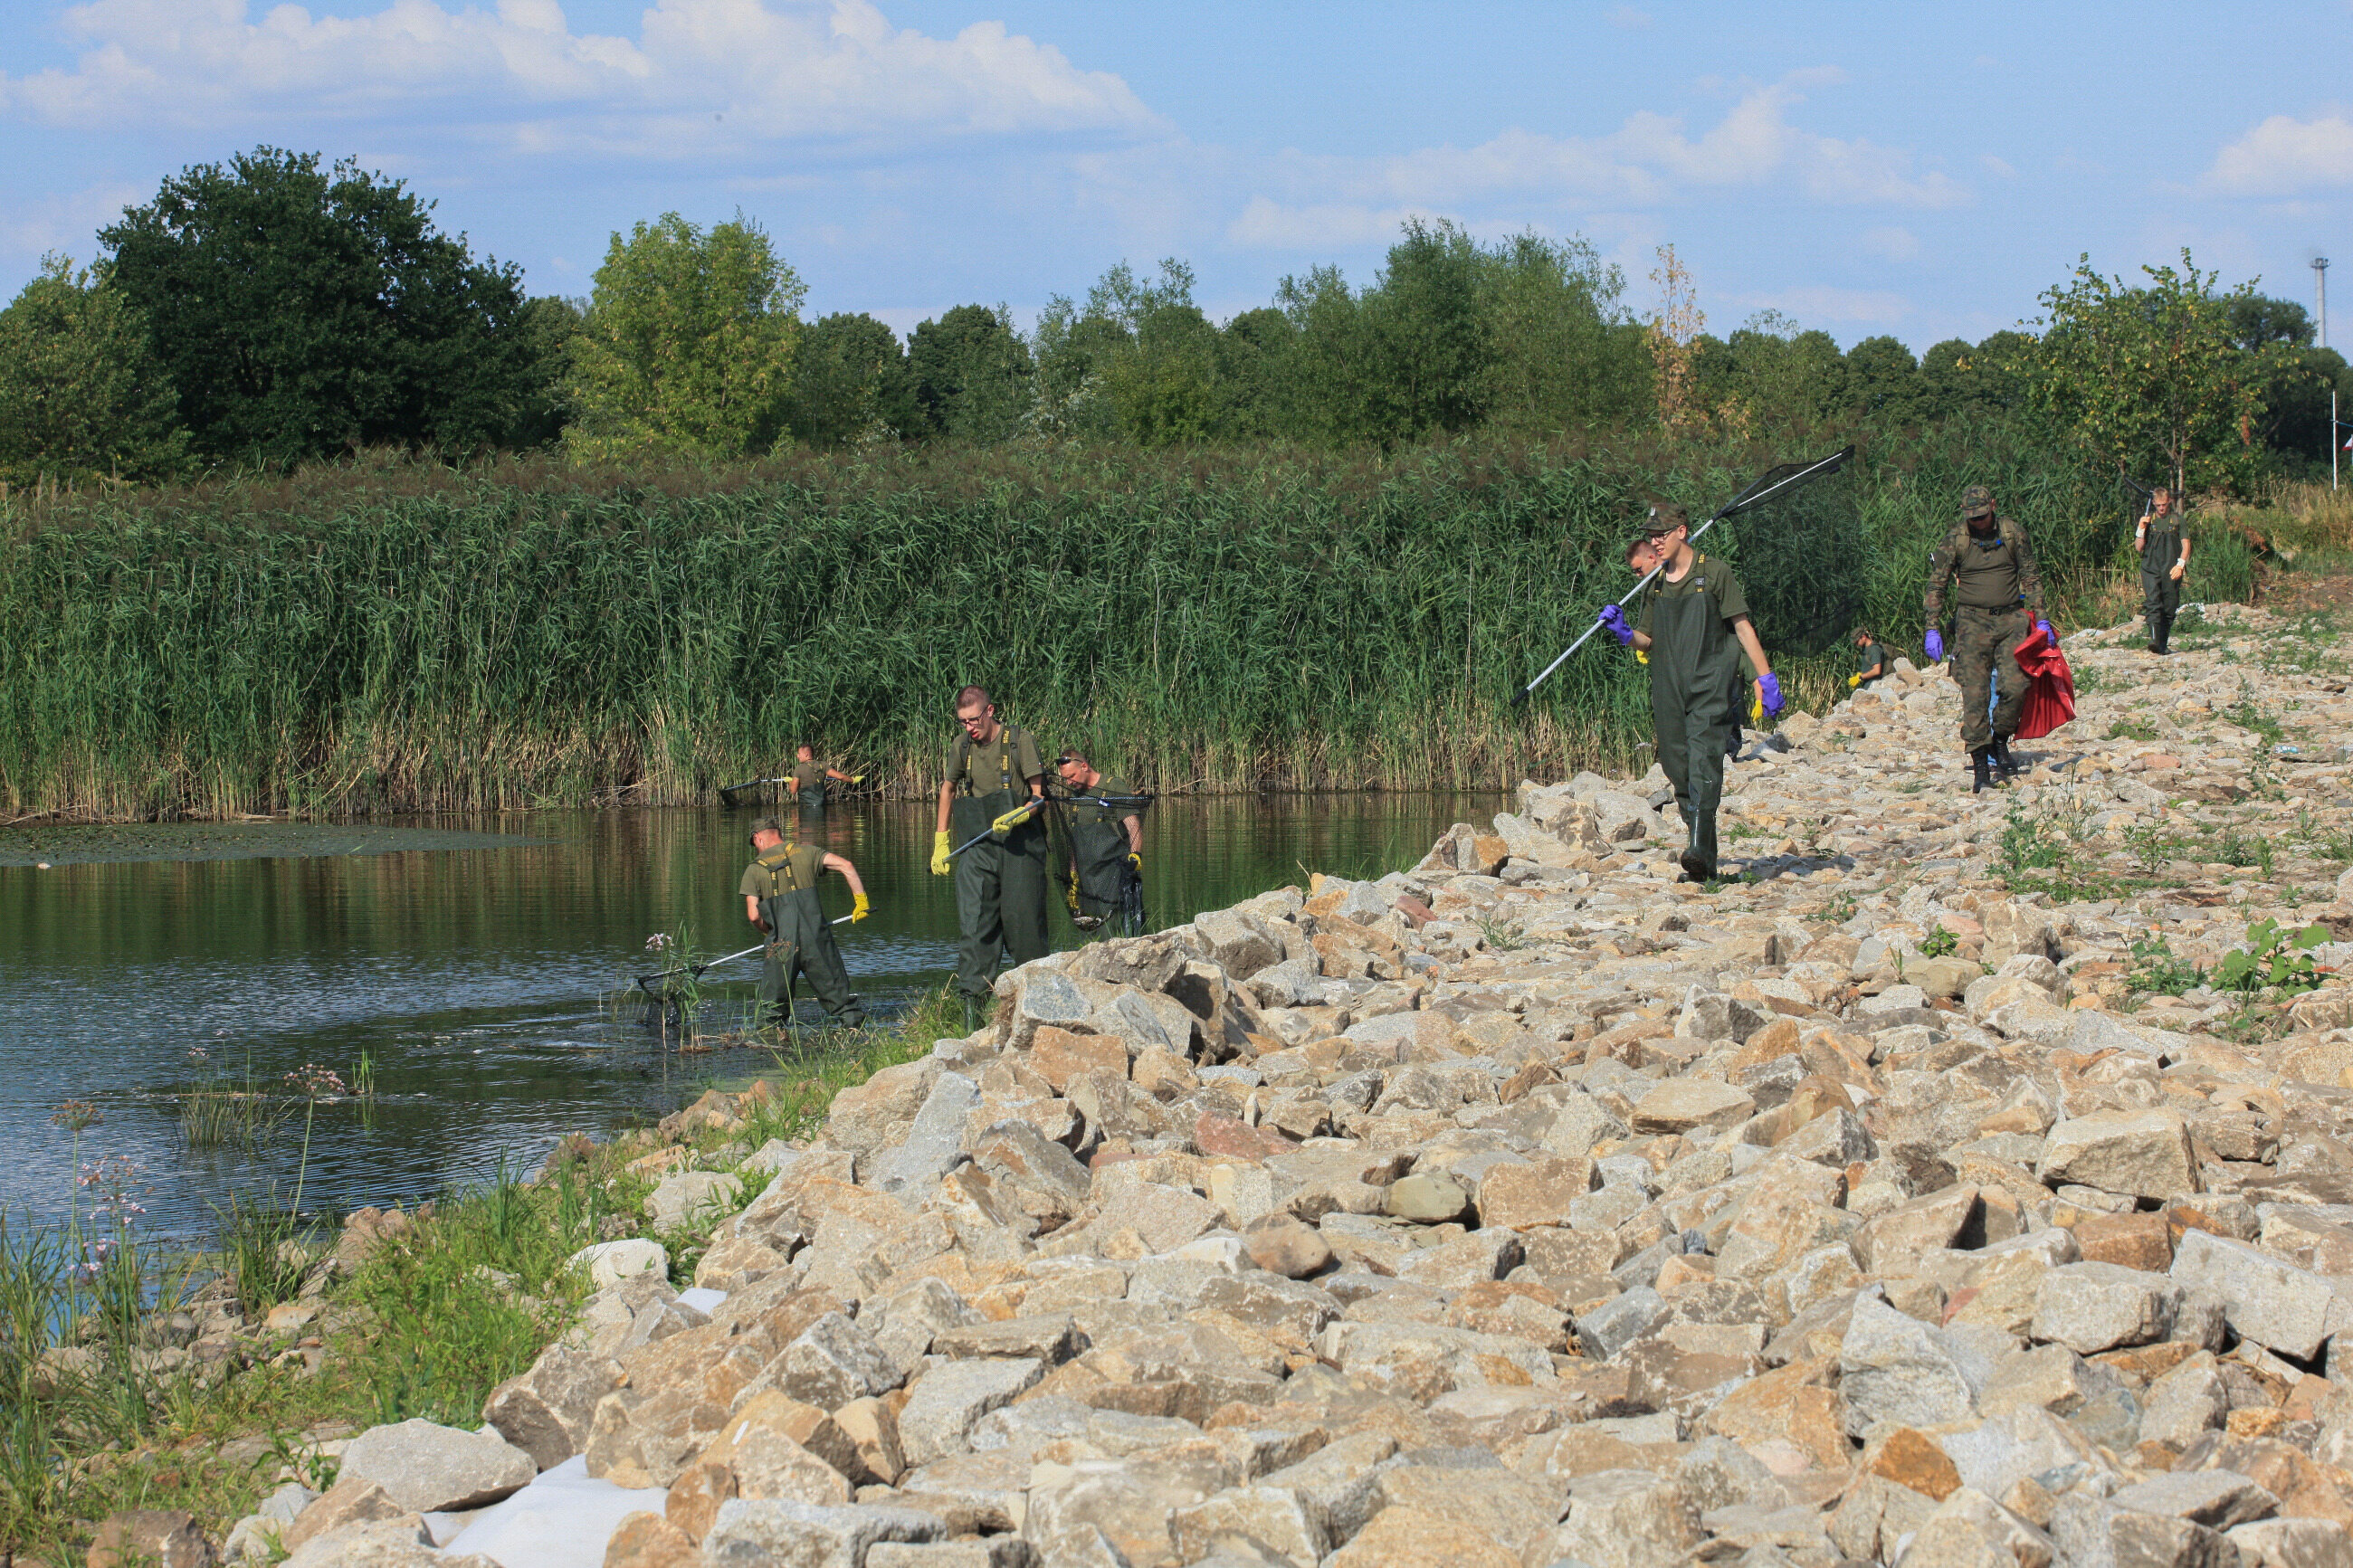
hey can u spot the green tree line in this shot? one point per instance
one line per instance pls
(271, 311)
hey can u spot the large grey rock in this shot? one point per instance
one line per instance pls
(431, 1468)
(2218, 1498)
(781, 1533)
(1896, 1371)
(610, 1262)
(1238, 943)
(2293, 1543)
(833, 1361)
(1618, 1322)
(944, 1401)
(687, 1198)
(1970, 1529)
(1624, 1519)
(1045, 997)
(935, 1142)
(546, 1412)
(2264, 1298)
(2094, 1307)
(2145, 1153)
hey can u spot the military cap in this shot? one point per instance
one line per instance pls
(769, 824)
(1977, 502)
(1663, 517)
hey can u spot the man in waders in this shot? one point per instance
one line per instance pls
(2164, 560)
(1748, 692)
(1106, 844)
(1694, 628)
(1870, 659)
(806, 782)
(995, 785)
(1999, 601)
(779, 892)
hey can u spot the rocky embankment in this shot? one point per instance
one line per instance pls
(1528, 1208)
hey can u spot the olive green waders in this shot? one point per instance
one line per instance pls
(1000, 890)
(2160, 592)
(1982, 661)
(800, 943)
(1694, 665)
(1098, 858)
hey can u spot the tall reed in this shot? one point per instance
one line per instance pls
(1256, 618)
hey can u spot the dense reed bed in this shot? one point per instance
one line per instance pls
(402, 636)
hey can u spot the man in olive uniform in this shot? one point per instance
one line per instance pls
(808, 779)
(1870, 659)
(1106, 842)
(2164, 559)
(1694, 628)
(995, 785)
(779, 890)
(1998, 599)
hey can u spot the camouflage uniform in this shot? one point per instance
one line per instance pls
(1996, 575)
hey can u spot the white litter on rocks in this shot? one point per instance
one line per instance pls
(562, 1520)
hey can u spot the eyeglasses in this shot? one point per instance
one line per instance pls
(1064, 761)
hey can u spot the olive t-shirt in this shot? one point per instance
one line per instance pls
(1869, 659)
(1089, 807)
(803, 864)
(807, 776)
(1007, 763)
(1708, 577)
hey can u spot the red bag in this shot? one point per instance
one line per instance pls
(2050, 689)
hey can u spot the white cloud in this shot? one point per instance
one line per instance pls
(701, 74)
(1896, 243)
(1649, 159)
(1997, 166)
(1267, 226)
(1626, 18)
(64, 223)
(2283, 156)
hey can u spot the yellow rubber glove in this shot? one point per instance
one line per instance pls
(1641, 657)
(1014, 818)
(859, 909)
(1136, 860)
(1070, 893)
(940, 866)
(1757, 709)
(858, 778)
(1853, 681)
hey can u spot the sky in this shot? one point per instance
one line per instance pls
(1865, 169)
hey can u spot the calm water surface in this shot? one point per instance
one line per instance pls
(470, 960)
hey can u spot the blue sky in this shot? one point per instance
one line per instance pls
(1864, 169)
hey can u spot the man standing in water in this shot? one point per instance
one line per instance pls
(808, 779)
(1994, 565)
(995, 785)
(1106, 841)
(2164, 560)
(779, 890)
(1694, 628)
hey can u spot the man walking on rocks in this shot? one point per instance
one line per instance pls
(1998, 600)
(995, 782)
(1694, 628)
(2164, 559)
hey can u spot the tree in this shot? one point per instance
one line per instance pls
(1250, 359)
(301, 312)
(1566, 354)
(850, 384)
(1785, 380)
(972, 373)
(548, 325)
(687, 345)
(1883, 382)
(1428, 324)
(81, 397)
(2150, 377)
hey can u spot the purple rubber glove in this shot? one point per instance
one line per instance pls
(1770, 685)
(2044, 627)
(1936, 646)
(1615, 619)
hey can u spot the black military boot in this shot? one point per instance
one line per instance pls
(1698, 858)
(2008, 765)
(1983, 761)
(2163, 640)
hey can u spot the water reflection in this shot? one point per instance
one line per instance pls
(470, 978)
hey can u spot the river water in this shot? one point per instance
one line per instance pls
(471, 962)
